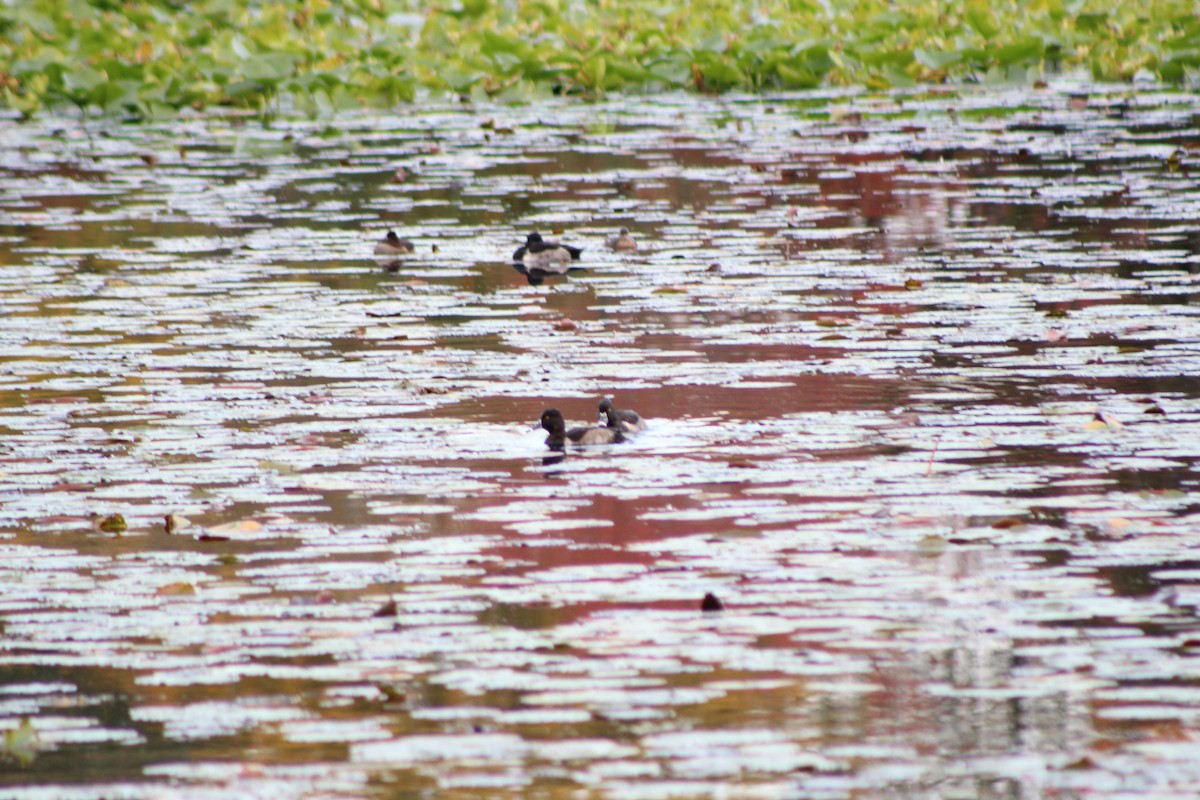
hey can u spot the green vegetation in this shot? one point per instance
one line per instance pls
(153, 57)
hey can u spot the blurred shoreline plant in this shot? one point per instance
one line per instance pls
(155, 57)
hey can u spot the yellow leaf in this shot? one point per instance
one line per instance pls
(21, 744)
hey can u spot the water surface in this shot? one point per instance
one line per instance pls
(921, 375)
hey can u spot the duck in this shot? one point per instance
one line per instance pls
(539, 254)
(393, 245)
(622, 242)
(556, 426)
(624, 420)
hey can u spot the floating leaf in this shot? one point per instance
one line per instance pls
(234, 530)
(20, 745)
(175, 523)
(388, 609)
(936, 60)
(113, 523)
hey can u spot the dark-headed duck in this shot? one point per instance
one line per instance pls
(624, 420)
(537, 253)
(393, 245)
(556, 426)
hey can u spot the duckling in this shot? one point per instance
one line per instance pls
(622, 242)
(556, 426)
(626, 421)
(539, 254)
(393, 245)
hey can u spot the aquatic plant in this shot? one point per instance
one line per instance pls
(317, 56)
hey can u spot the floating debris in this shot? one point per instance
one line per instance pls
(388, 609)
(112, 523)
(20, 745)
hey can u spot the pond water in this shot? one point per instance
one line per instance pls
(922, 376)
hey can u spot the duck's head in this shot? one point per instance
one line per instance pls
(606, 405)
(533, 237)
(623, 232)
(392, 238)
(553, 422)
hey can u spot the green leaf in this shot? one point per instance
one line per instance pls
(507, 63)
(495, 43)
(630, 71)
(593, 72)
(818, 59)
(1093, 21)
(1020, 52)
(26, 14)
(980, 18)
(674, 71)
(897, 77)
(244, 90)
(343, 100)
(118, 70)
(115, 95)
(721, 75)
(936, 60)
(797, 77)
(459, 79)
(269, 67)
(80, 81)
(713, 43)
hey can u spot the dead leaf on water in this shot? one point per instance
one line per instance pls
(113, 523)
(932, 545)
(243, 528)
(175, 523)
(1103, 421)
(20, 745)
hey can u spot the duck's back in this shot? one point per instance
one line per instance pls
(625, 420)
(631, 421)
(554, 259)
(393, 245)
(594, 435)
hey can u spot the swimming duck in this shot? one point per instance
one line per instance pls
(626, 421)
(622, 242)
(556, 426)
(537, 253)
(393, 245)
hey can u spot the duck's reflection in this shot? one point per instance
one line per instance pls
(537, 277)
